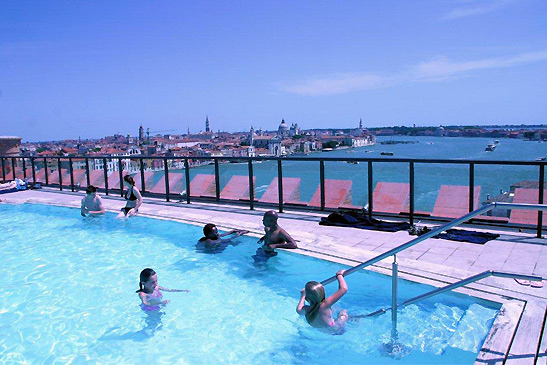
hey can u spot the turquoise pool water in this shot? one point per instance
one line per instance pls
(68, 295)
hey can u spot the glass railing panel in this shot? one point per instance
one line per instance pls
(79, 173)
(266, 187)
(442, 190)
(234, 180)
(509, 184)
(300, 182)
(40, 170)
(391, 188)
(345, 185)
(202, 178)
(96, 172)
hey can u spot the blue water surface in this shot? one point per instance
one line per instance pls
(68, 295)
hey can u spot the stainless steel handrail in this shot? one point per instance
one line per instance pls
(456, 285)
(435, 232)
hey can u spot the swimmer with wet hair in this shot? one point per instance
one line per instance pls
(91, 203)
(319, 313)
(211, 238)
(150, 292)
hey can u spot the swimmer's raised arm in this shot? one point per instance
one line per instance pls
(301, 308)
(342, 289)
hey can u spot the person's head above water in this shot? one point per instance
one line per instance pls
(128, 179)
(315, 295)
(270, 218)
(210, 231)
(148, 281)
(90, 189)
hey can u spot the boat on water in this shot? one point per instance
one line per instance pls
(491, 147)
(327, 149)
(541, 158)
(353, 162)
(496, 141)
(386, 153)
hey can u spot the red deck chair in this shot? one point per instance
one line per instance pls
(114, 179)
(53, 177)
(453, 201)
(175, 184)
(237, 188)
(96, 178)
(203, 185)
(148, 180)
(291, 191)
(527, 196)
(390, 197)
(337, 194)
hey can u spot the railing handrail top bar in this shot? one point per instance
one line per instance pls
(294, 158)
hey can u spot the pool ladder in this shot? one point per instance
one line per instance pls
(393, 252)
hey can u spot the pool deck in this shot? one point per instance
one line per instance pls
(518, 335)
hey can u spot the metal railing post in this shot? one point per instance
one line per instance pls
(370, 192)
(71, 173)
(60, 173)
(471, 188)
(411, 187)
(166, 168)
(143, 188)
(105, 173)
(13, 168)
(322, 182)
(280, 185)
(120, 172)
(217, 180)
(541, 197)
(251, 187)
(46, 171)
(3, 170)
(394, 295)
(32, 165)
(24, 168)
(88, 178)
(187, 176)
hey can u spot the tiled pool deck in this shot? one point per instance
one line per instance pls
(518, 329)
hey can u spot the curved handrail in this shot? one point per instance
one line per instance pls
(456, 285)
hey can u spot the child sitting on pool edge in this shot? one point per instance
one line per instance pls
(319, 313)
(150, 291)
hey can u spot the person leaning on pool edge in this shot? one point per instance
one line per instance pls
(132, 196)
(91, 203)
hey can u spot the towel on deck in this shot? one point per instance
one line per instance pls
(467, 236)
(363, 221)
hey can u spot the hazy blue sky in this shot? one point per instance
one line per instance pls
(94, 68)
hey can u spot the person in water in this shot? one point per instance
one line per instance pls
(319, 313)
(132, 196)
(91, 203)
(150, 291)
(212, 239)
(274, 237)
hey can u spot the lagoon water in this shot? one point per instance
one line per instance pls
(428, 177)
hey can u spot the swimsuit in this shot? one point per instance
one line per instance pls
(132, 197)
(263, 255)
(152, 308)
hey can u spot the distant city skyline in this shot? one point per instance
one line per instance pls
(91, 69)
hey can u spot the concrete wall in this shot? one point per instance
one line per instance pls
(10, 146)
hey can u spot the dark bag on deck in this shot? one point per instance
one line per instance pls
(361, 220)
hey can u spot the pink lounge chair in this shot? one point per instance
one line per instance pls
(237, 188)
(453, 201)
(79, 177)
(527, 196)
(96, 178)
(390, 197)
(203, 185)
(337, 194)
(148, 180)
(53, 177)
(291, 191)
(175, 184)
(114, 179)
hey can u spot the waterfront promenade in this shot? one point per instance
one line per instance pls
(435, 262)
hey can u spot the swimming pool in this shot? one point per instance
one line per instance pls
(68, 294)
